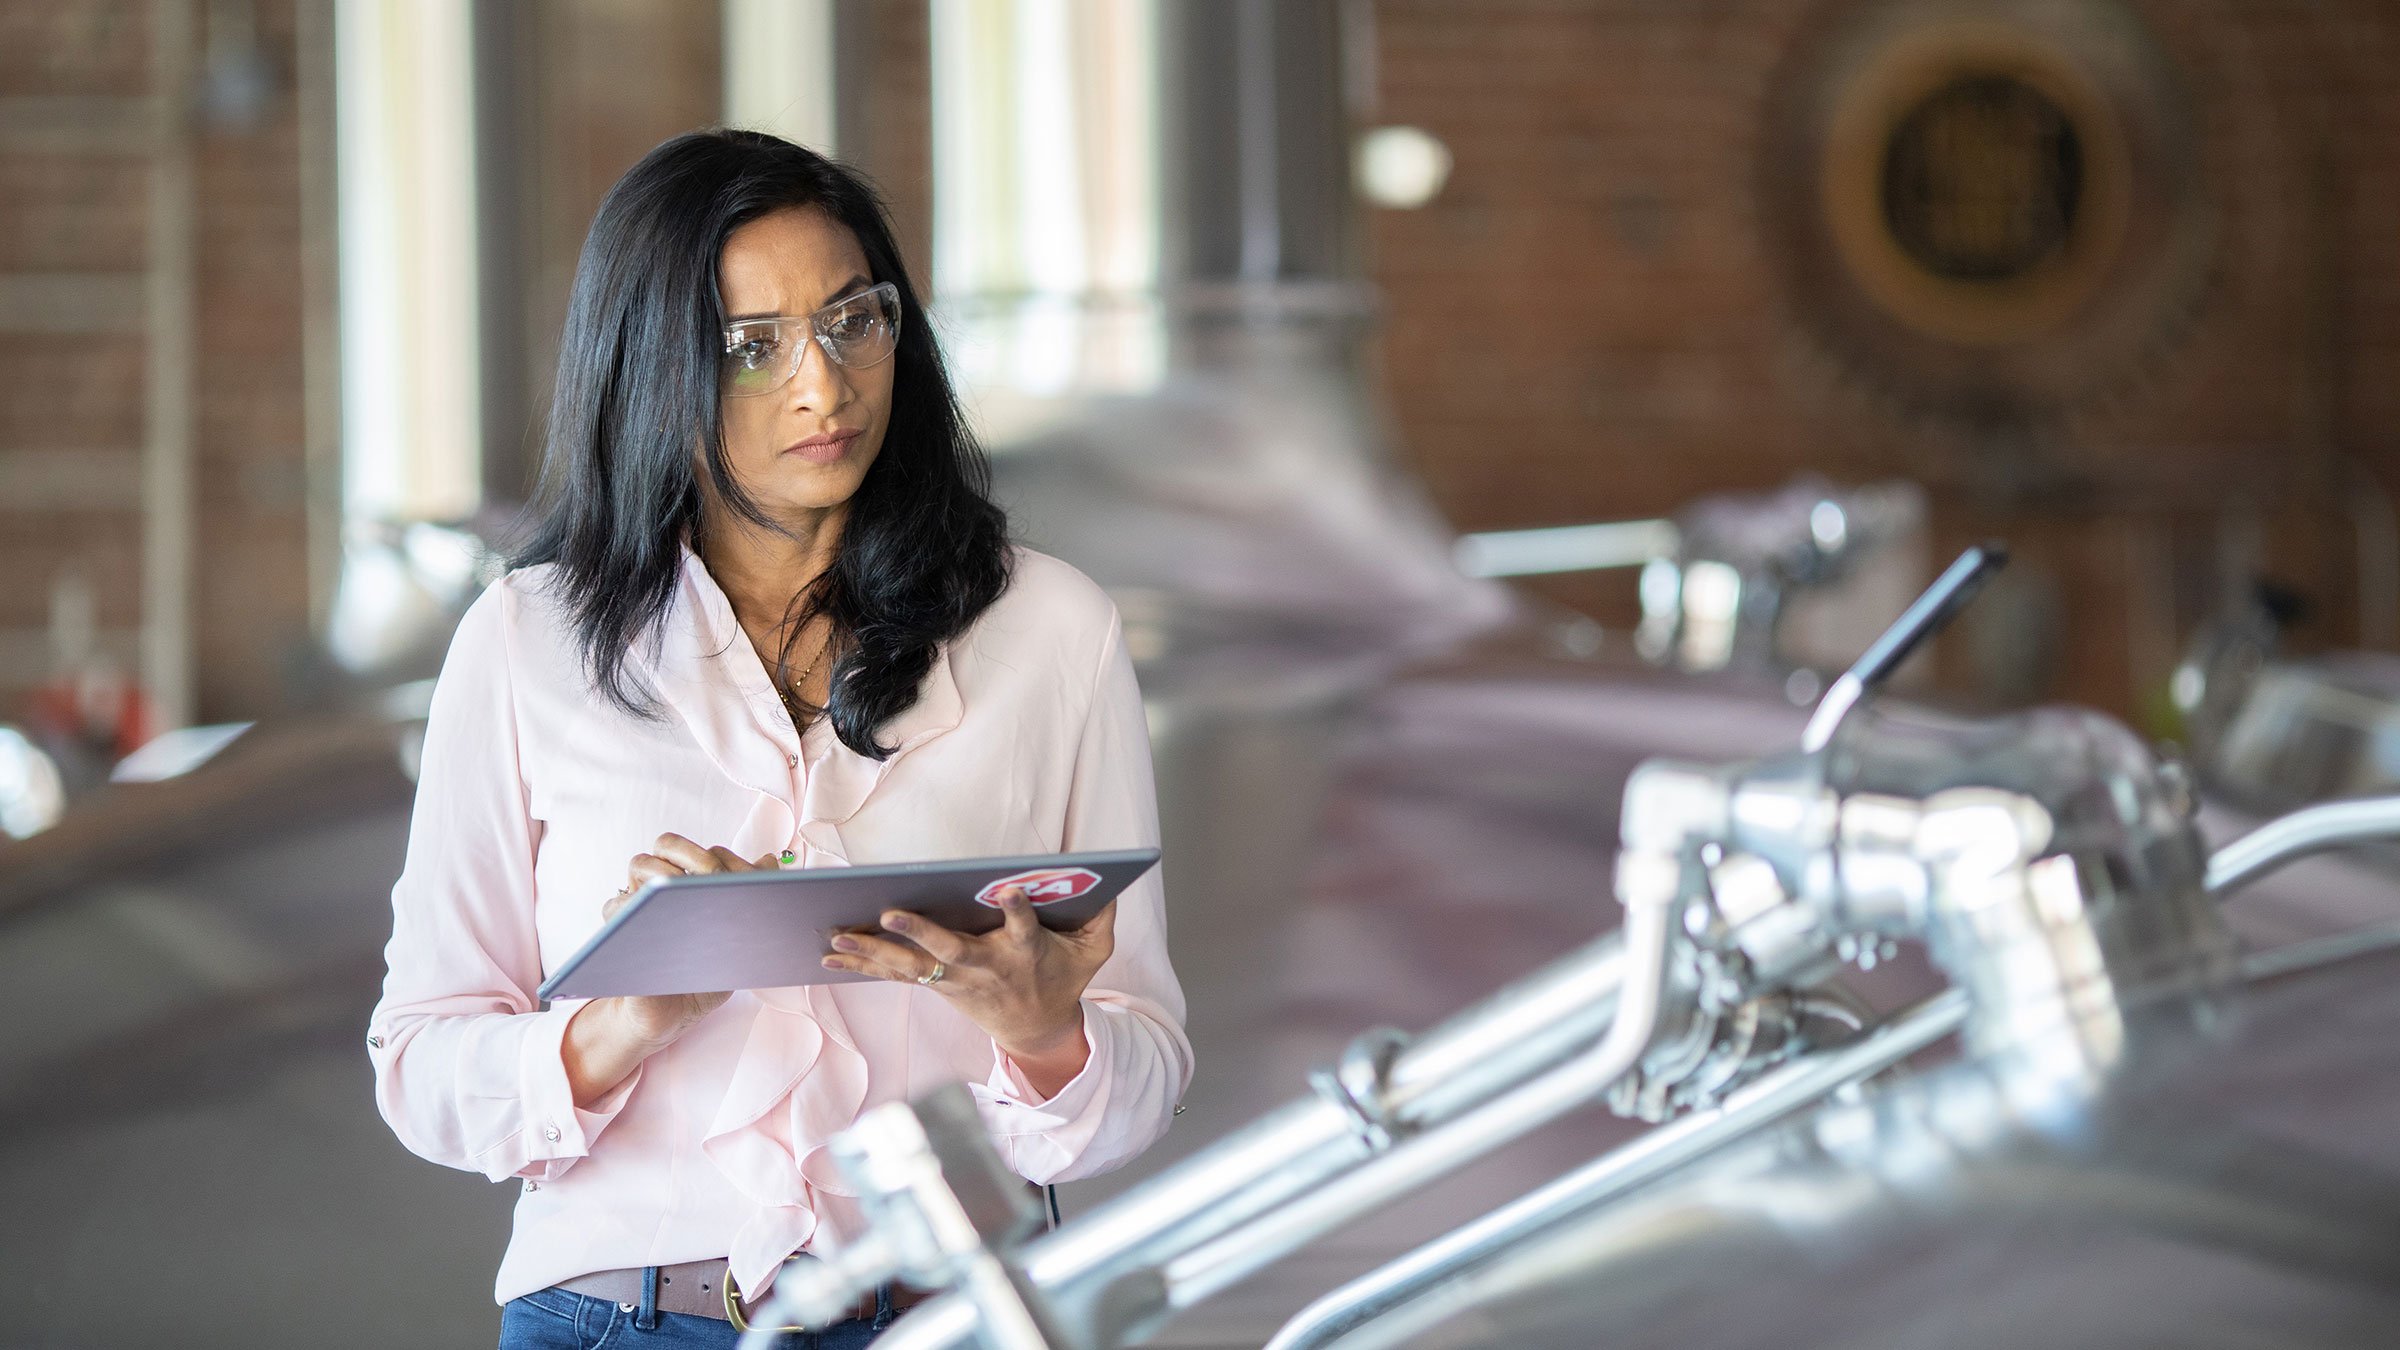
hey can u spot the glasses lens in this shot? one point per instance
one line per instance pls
(863, 329)
(758, 357)
(858, 331)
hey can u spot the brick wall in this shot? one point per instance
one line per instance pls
(1587, 323)
(251, 577)
(605, 81)
(71, 404)
(75, 211)
(69, 441)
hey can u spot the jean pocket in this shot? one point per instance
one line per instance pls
(558, 1303)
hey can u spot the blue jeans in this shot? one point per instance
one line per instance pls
(554, 1319)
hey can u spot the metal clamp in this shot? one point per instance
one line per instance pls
(1360, 1083)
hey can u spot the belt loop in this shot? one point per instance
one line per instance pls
(883, 1305)
(647, 1318)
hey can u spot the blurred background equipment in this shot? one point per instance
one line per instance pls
(2051, 867)
(1464, 403)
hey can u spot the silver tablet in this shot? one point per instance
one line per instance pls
(766, 930)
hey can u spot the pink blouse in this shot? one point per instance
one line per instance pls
(1027, 737)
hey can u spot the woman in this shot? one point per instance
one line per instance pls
(768, 618)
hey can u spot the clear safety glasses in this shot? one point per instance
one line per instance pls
(858, 331)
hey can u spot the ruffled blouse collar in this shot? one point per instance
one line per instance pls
(768, 1135)
(705, 669)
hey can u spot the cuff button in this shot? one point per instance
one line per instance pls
(551, 1133)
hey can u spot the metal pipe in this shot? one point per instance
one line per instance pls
(1772, 1099)
(2303, 832)
(1511, 1036)
(1422, 1159)
(1766, 1102)
(170, 501)
(1307, 1169)
(1566, 548)
(2294, 957)
(1257, 163)
(1283, 1155)
(938, 1324)
(1519, 1031)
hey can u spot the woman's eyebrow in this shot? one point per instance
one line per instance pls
(854, 284)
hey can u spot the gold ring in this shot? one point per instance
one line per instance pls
(935, 976)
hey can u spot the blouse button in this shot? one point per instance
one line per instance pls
(550, 1132)
(793, 760)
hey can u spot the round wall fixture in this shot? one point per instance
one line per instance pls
(1985, 206)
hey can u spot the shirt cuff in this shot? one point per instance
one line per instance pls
(1010, 1105)
(557, 1131)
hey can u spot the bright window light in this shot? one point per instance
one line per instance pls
(411, 403)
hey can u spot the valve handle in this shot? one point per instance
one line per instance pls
(1928, 615)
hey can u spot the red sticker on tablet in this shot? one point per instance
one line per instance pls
(1043, 885)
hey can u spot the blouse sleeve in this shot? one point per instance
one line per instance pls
(468, 1071)
(1141, 1061)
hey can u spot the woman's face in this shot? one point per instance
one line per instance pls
(805, 446)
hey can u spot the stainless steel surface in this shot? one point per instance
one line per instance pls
(2271, 732)
(2050, 865)
(1384, 860)
(1218, 1216)
(1213, 1221)
(2305, 730)
(1653, 1155)
(1203, 1272)
(1750, 575)
(2238, 1192)
(2081, 979)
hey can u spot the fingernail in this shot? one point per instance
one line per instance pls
(895, 922)
(845, 944)
(830, 964)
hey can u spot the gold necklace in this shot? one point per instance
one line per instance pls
(791, 701)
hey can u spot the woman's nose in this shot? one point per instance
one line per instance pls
(819, 385)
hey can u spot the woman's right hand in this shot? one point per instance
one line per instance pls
(609, 1037)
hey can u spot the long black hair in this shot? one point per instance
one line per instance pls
(923, 551)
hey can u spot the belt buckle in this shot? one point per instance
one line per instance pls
(734, 1297)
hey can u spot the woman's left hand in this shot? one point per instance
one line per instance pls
(1021, 982)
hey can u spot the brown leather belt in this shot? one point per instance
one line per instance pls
(700, 1289)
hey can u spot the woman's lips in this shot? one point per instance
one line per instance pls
(823, 449)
